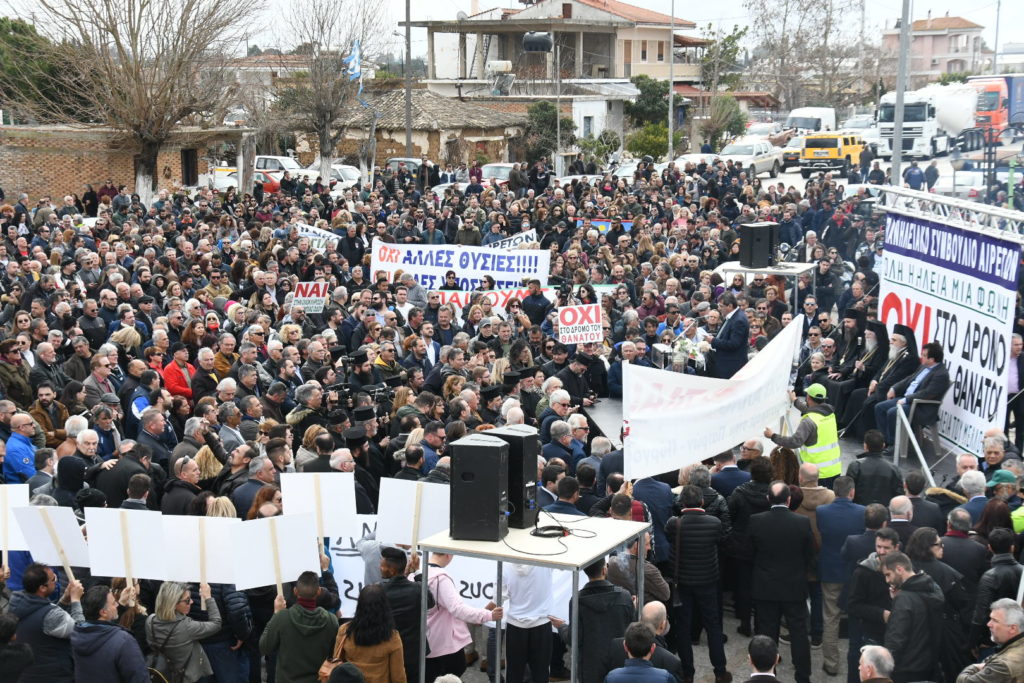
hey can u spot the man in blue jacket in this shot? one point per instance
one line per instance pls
(732, 341)
(102, 649)
(639, 645)
(836, 521)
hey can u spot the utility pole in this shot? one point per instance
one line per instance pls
(861, 59)
(671, 81)
(558, 106)
(995, 48)
(408, 80)
(901, 86)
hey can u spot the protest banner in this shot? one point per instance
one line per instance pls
(429, 262)
(499, 298)
(348, 563)
(329, 497)
(580, 324)
(128, 543)
(312, 296)
(199, 548)
(271, 551)
(319, 239)
(397, 512)
(723, 412)
(53, 536)
(603, 225)
(958, 288)
(11, 496)
(513, 242)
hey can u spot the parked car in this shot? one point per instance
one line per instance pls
(343, 176)
(753, 156)
(270, 183)
(275, 163)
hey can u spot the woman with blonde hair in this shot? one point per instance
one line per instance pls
(221, 506)
(127, 340)
(175, 635)
(452, 386)
(307, 451)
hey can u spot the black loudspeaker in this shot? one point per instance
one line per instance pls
(479, 488)
(758, 244)
(523, 449)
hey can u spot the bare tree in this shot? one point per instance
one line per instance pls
(802, 53)
(316, 102)
(145, 67)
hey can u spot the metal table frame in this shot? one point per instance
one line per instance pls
(437, 544)
(786, 269)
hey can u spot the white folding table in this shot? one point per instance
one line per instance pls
(589, 539)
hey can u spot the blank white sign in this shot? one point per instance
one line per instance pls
(252, 550)
(396, 508)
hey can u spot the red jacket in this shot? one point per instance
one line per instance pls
(174, 379)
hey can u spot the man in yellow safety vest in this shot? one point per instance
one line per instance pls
(816, 437)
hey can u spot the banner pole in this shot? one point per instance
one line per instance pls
(55, 539)
(202, 550)
(126, 548)
(276, 552)
(416, 516)
(318, 503)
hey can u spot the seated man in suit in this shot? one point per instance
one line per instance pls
(732, 341)
(930, 382)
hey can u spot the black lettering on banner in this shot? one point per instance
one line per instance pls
(350, 590)
(476, 590)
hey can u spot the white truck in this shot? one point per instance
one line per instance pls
(811, 120)
(932, 118)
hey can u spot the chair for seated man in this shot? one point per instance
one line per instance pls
(927, 434)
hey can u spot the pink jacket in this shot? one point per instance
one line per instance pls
(446, 621)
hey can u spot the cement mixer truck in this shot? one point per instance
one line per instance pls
(932, 118)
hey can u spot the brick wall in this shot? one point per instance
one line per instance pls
(57, 161)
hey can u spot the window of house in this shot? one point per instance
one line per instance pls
(588, 126)
(643, 50)
(661, 50)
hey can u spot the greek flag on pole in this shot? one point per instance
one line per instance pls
(355, 69)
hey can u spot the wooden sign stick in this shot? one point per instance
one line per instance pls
(416, 516)
(317, 501)
(55, 539)
(202, 550)
(277, 557)
(5, 529)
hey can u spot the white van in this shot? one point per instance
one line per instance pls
(812, 119)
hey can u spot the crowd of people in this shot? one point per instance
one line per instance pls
(152, 358)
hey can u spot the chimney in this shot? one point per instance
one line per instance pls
(929, 18)
(474, 8)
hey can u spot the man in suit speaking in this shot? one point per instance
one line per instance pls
(930, 382)
(732, 341)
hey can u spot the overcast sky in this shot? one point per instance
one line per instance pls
(726, 13)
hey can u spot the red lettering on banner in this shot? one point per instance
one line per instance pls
(388, 254)
(913, 314)
(579, 315)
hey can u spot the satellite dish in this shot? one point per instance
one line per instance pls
(461, 16)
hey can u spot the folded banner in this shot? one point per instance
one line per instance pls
(515, 240)
(720, 412)
(429, 262)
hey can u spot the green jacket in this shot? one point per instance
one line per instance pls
(302, 639)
